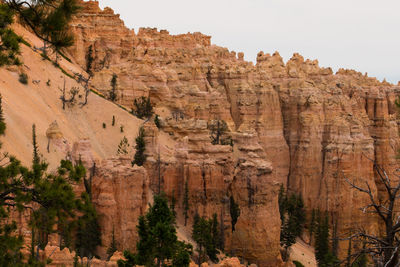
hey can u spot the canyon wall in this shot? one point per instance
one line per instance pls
(295, 124)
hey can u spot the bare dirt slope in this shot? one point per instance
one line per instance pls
(40, 104)
(303, 253)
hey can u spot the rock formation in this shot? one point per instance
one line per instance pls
(294, 123)
(291, 123)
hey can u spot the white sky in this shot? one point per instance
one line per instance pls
(357, 34)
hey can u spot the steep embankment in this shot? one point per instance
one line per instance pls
(40, 104)
(293, 123)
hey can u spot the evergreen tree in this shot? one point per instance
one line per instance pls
(10, 243)
(173, 203)
(88, 234)
(288, 236)
(182, 254)
(157, 121)
(113, 92)
(161, 222)
(218, 133)
(201, 235)
(142, 107)
(48, 19)
(130, 260)
(186, 202)
(234, 211)
(2, 120)
(295, 209)
(323, 253)
(293, 218)
(123, 147)
(282, 201)
(312, 224)
(113, 246)
(89, 60)
(206, 234)
(9, 46)
(140, 147)
(36, 157)
(49, 197)
(158, 241)
(215, 238)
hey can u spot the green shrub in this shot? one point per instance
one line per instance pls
(157, 122)
(23, 78)
(104, 125)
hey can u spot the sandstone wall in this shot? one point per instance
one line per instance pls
(294, 123)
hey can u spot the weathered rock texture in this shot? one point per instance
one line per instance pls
(119, 193)
(294, 123)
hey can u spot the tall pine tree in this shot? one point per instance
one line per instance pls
(2, 120)
(158, 242)
(113, 92)
(140, 147)
(186, 202)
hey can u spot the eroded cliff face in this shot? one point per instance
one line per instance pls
(294, 123)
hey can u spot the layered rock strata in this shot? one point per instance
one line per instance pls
(294, 123)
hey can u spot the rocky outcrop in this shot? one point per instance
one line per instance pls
(294, 123)
(120, 194)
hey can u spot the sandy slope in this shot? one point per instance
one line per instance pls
(40, 104)
(303, 253)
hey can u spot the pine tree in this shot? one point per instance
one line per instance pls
(201, 235)
(206, 234)
(142, 107)
(88, 236)
(49, 20)
(215, 238)
(140, 147)
(36, 157)
(292, 215)
(157, 121)
(312, 225)
(2, 120)
(186, 202)
(288, 236)
(49, 197)
(296, 210)
(123, 147)
(113, 246)
(218, 133)
(158, 241)
(182, 254)
(89, 60)
(9, 47)
(173, 203)
(144, 246)
(113, 92)
(323, 253)
(282, 201)
(234, 211)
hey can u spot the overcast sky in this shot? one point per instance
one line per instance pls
(357, 34)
